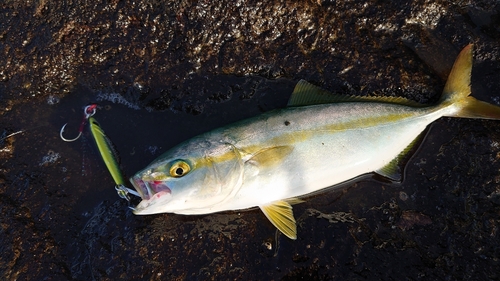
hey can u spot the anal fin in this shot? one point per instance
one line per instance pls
(394, 169)
(281, 216)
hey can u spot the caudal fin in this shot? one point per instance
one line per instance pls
(457, 91)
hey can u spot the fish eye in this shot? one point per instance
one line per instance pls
(179, 168)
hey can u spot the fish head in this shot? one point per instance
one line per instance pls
(190, 178)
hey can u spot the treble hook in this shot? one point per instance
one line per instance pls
(88, 111)
(123, 192)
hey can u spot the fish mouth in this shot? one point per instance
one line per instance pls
(148, 189)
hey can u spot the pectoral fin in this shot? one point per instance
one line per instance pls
(281, 216)
(271, 156)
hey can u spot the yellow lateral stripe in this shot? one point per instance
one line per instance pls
(293, 137)
(272, 151)
(298, 136)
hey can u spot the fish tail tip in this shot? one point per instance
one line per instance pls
(458, 84)
(458, 89)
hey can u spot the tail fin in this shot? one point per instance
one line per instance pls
(457, 91)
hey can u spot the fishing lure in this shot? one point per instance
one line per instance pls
(105, 147)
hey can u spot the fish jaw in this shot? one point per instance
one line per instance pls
(153, 205)
(153, 193)
(147, 189)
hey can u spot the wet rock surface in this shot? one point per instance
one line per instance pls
(164, 71)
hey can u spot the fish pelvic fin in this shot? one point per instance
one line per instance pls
(280, 214)
(457, 91)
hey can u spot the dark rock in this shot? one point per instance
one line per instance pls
(164, 71)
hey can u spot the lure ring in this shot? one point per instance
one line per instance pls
(90, 110)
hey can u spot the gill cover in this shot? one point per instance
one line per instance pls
(224, 174)
(190, 179)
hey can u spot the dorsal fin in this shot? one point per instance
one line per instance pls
(306, 93)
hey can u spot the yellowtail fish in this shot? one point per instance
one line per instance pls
(319, 140)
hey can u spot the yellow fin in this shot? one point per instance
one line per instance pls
(458, 84)
(306, 93)
(457, 90)
(271, 156)
(294, 201)
(479, 110)
(391, 171)
(394, 169)
(281, 216)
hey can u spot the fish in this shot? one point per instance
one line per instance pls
(319, 140)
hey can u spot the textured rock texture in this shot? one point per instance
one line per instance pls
(164, 71)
